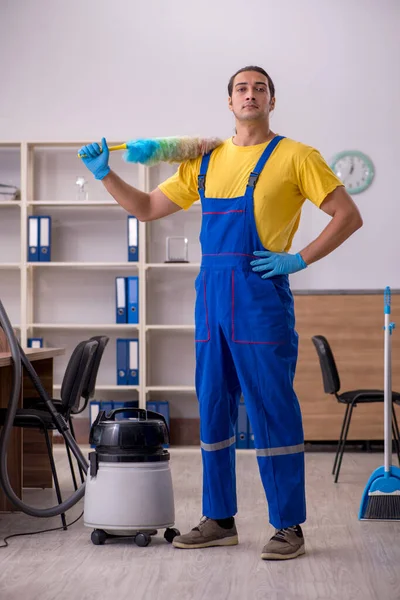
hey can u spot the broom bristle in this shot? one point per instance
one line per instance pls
(385, 507)
(170, 149)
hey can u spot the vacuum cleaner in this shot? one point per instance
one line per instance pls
(129, 486)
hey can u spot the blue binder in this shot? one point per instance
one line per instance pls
(33, 239)
(133, 362)
(122, 362)
(242, 435)
(45, 239)
(120, 299)
(130, 404)
(107, 406)
(150, 405)
(132, 288)
(133, 238)
(120, 404)
(35, 342)
(251, 434)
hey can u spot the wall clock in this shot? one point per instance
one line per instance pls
(354, 169)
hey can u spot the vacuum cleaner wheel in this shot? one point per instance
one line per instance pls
(171, 533)
(142, 539)
(98, 537)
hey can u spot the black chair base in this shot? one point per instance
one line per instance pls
(343, 439)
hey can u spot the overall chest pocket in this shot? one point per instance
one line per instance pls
(258, 314)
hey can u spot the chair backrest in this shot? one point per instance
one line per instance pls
(90, 383)
(76, 373)
(330, 375)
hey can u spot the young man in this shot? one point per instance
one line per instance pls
(252, 188)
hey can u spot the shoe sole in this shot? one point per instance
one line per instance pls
(228, 541)
(276, 556)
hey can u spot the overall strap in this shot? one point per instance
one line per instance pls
(254, 175)
(201, 179)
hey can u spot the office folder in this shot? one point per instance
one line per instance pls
(242, 436)
(120, 299)
(122, 361)
(133, 362)
(45, 239)
(35, 342)
(132, 289)
(251, 434)
(94, 408)
(129, 404)
(133, 231)
(150, 405)
(106, 405)
(33, 239)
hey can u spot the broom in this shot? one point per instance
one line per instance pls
(381, 498)
(152, 151)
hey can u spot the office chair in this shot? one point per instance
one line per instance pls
(331, 383)
(71, 390)
(88, 390)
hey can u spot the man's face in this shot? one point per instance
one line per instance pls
(251, 99)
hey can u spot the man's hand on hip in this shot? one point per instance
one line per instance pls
(277, 263)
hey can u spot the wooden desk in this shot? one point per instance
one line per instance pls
(28, 464)
(353, 325)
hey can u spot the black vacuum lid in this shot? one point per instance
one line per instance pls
(143, 431)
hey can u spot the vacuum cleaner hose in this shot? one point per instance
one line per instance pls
(16, 353)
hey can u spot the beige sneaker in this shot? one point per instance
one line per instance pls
(285, 544)
(207, 533)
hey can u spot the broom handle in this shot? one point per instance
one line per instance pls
(388, 384)
(111, 149)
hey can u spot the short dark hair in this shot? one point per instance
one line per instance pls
(258, 70)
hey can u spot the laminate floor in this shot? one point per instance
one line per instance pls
(346, 559)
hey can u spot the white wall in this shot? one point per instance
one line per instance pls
(83, 69)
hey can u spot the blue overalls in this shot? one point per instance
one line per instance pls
(245, 342)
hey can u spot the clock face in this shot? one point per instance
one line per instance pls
(354, 169)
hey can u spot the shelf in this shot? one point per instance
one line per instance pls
(10, 265)
(10, 144)
(9, 202)
(85, 265)
(107, 388)
(172, 266)
(82, 203)
(85, 326)
(170, 327)
(170, 388)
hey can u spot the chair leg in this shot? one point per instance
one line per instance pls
(55, 477)
(71, 426)
(396, 434)
(340, 438)
(344, 443)
(71, 466)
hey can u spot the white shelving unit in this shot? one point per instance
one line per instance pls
(73, 297)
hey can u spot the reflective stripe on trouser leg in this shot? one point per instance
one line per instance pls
(266, 375)
(218, 392)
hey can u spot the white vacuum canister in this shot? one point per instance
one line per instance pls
(129, 485)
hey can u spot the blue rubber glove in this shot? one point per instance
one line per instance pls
(96, 159)
(277, 263)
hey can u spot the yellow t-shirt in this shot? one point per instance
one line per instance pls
(293, 173)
